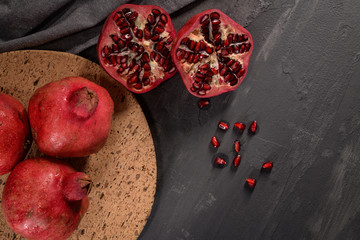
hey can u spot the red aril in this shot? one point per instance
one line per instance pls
(236, 161)
(240, 126)
(134, 46)
(219, 162)
(253, 127)
(204, 103)
(223, 126)
(237, 146)
(267, 165)
(215, 142)
(251, 182)
(212, 53)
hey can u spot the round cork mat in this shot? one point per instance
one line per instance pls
(123, 172)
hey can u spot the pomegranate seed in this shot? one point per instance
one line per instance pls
(240, 126)
(163, 18)
(253, 127)
(267, 165)
(237, 146)
(137, 85)
(204, 103)
(214, 15)
(215, 142)
(240, 73)
(204, 18)
(223, 126)
(151, 19)
(220, 162)
(236, 161)
(156, 12)
(251, 182)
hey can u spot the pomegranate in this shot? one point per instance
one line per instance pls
(134, 46)
(15, 134)
(70, 117)
(45, 198)
(212, 53)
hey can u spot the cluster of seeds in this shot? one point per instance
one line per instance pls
(127, 54)
(217, 48)
(221, 162)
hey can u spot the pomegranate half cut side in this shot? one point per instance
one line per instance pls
(134, 46)
(212, 53)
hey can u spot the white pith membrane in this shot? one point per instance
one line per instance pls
(157, 67)
(212, 59)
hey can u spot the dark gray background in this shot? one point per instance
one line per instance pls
(302, 87)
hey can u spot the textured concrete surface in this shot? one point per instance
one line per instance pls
(303, 89)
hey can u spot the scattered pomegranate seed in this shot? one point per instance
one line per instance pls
(267, 165)
(251, 182)
(240, 126)
(236, 161)
(237, 146)
(215, 142)
(223, 126)
(253, 127)
(204, 103)
(220, 162)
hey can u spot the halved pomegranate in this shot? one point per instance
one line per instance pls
(212, 53)
(134, 46)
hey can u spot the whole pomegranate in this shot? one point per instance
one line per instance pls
(212, 53)
(45, 199)
(70, 117)
(15, 134)
(134, 46)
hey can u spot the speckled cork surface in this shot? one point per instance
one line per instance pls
(123, 172)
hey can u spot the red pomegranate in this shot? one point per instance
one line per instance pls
(70, 117)
(134, 46)
(212, 53)
(45, 199)
(15, 134)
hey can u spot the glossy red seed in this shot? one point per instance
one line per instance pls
(267, 165)
(240, 126)
(163, 18)
(236, 161)
(204, 18)
(220, 161)
(204, 103)
(215, 142)
(223, 126)
(156, 12)
(237, 146)
(253, 127)
(251, 182)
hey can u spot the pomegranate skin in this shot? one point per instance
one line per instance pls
(70, 117)
(34, 204)
(15, 134)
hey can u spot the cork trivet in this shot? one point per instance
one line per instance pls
(124, 171)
